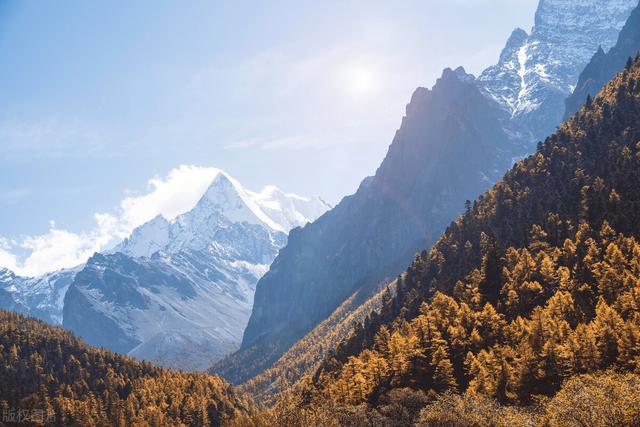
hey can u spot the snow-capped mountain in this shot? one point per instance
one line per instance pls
(537, 71)
(41, 296)
(226, 200)
(180, 292)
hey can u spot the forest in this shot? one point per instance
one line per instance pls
(50, 377)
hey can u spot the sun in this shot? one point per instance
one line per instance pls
(359, 80)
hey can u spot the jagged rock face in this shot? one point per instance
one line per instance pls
(9, 297)
(447, 149)
(179, 293)
(181, 310)
(503, 81)
(537, 72)
(41, 297)
(604, 66)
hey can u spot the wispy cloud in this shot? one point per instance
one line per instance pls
(169, 197)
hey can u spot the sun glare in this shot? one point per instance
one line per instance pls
(360, 81)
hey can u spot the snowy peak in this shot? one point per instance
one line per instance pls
(180, 292)
(290, 210)
(517, 39)
(537, 72)
(6, 275)
(589, 15)
(224, 203)
(147, 239)
(40, 296)
(271, 207)
(230, 199)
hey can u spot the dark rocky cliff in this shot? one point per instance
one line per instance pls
(449, 148)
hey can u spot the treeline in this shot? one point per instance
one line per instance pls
(50, 377)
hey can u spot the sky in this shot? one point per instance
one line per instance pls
(108, 106)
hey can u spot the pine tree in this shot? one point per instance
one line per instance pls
(583, 350)
(443, 376)
(610, 273)
(629, 346)
(607, 326)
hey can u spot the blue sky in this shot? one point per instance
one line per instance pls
(100, 97)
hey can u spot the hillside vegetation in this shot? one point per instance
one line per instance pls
(52, 378)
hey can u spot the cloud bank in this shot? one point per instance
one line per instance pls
(170, 196)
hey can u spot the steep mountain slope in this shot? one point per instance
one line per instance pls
(307, 354)
(40, 296)
(179, 292)
(604, 66)
(53, 378)
(537, 72)
(181, 310)
(448, 148)
(535, 283)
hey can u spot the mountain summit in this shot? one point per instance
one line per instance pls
(225, 201)
(536, 72)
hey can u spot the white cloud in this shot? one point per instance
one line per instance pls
(7, 259)
(59, 248)
(170, 197)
